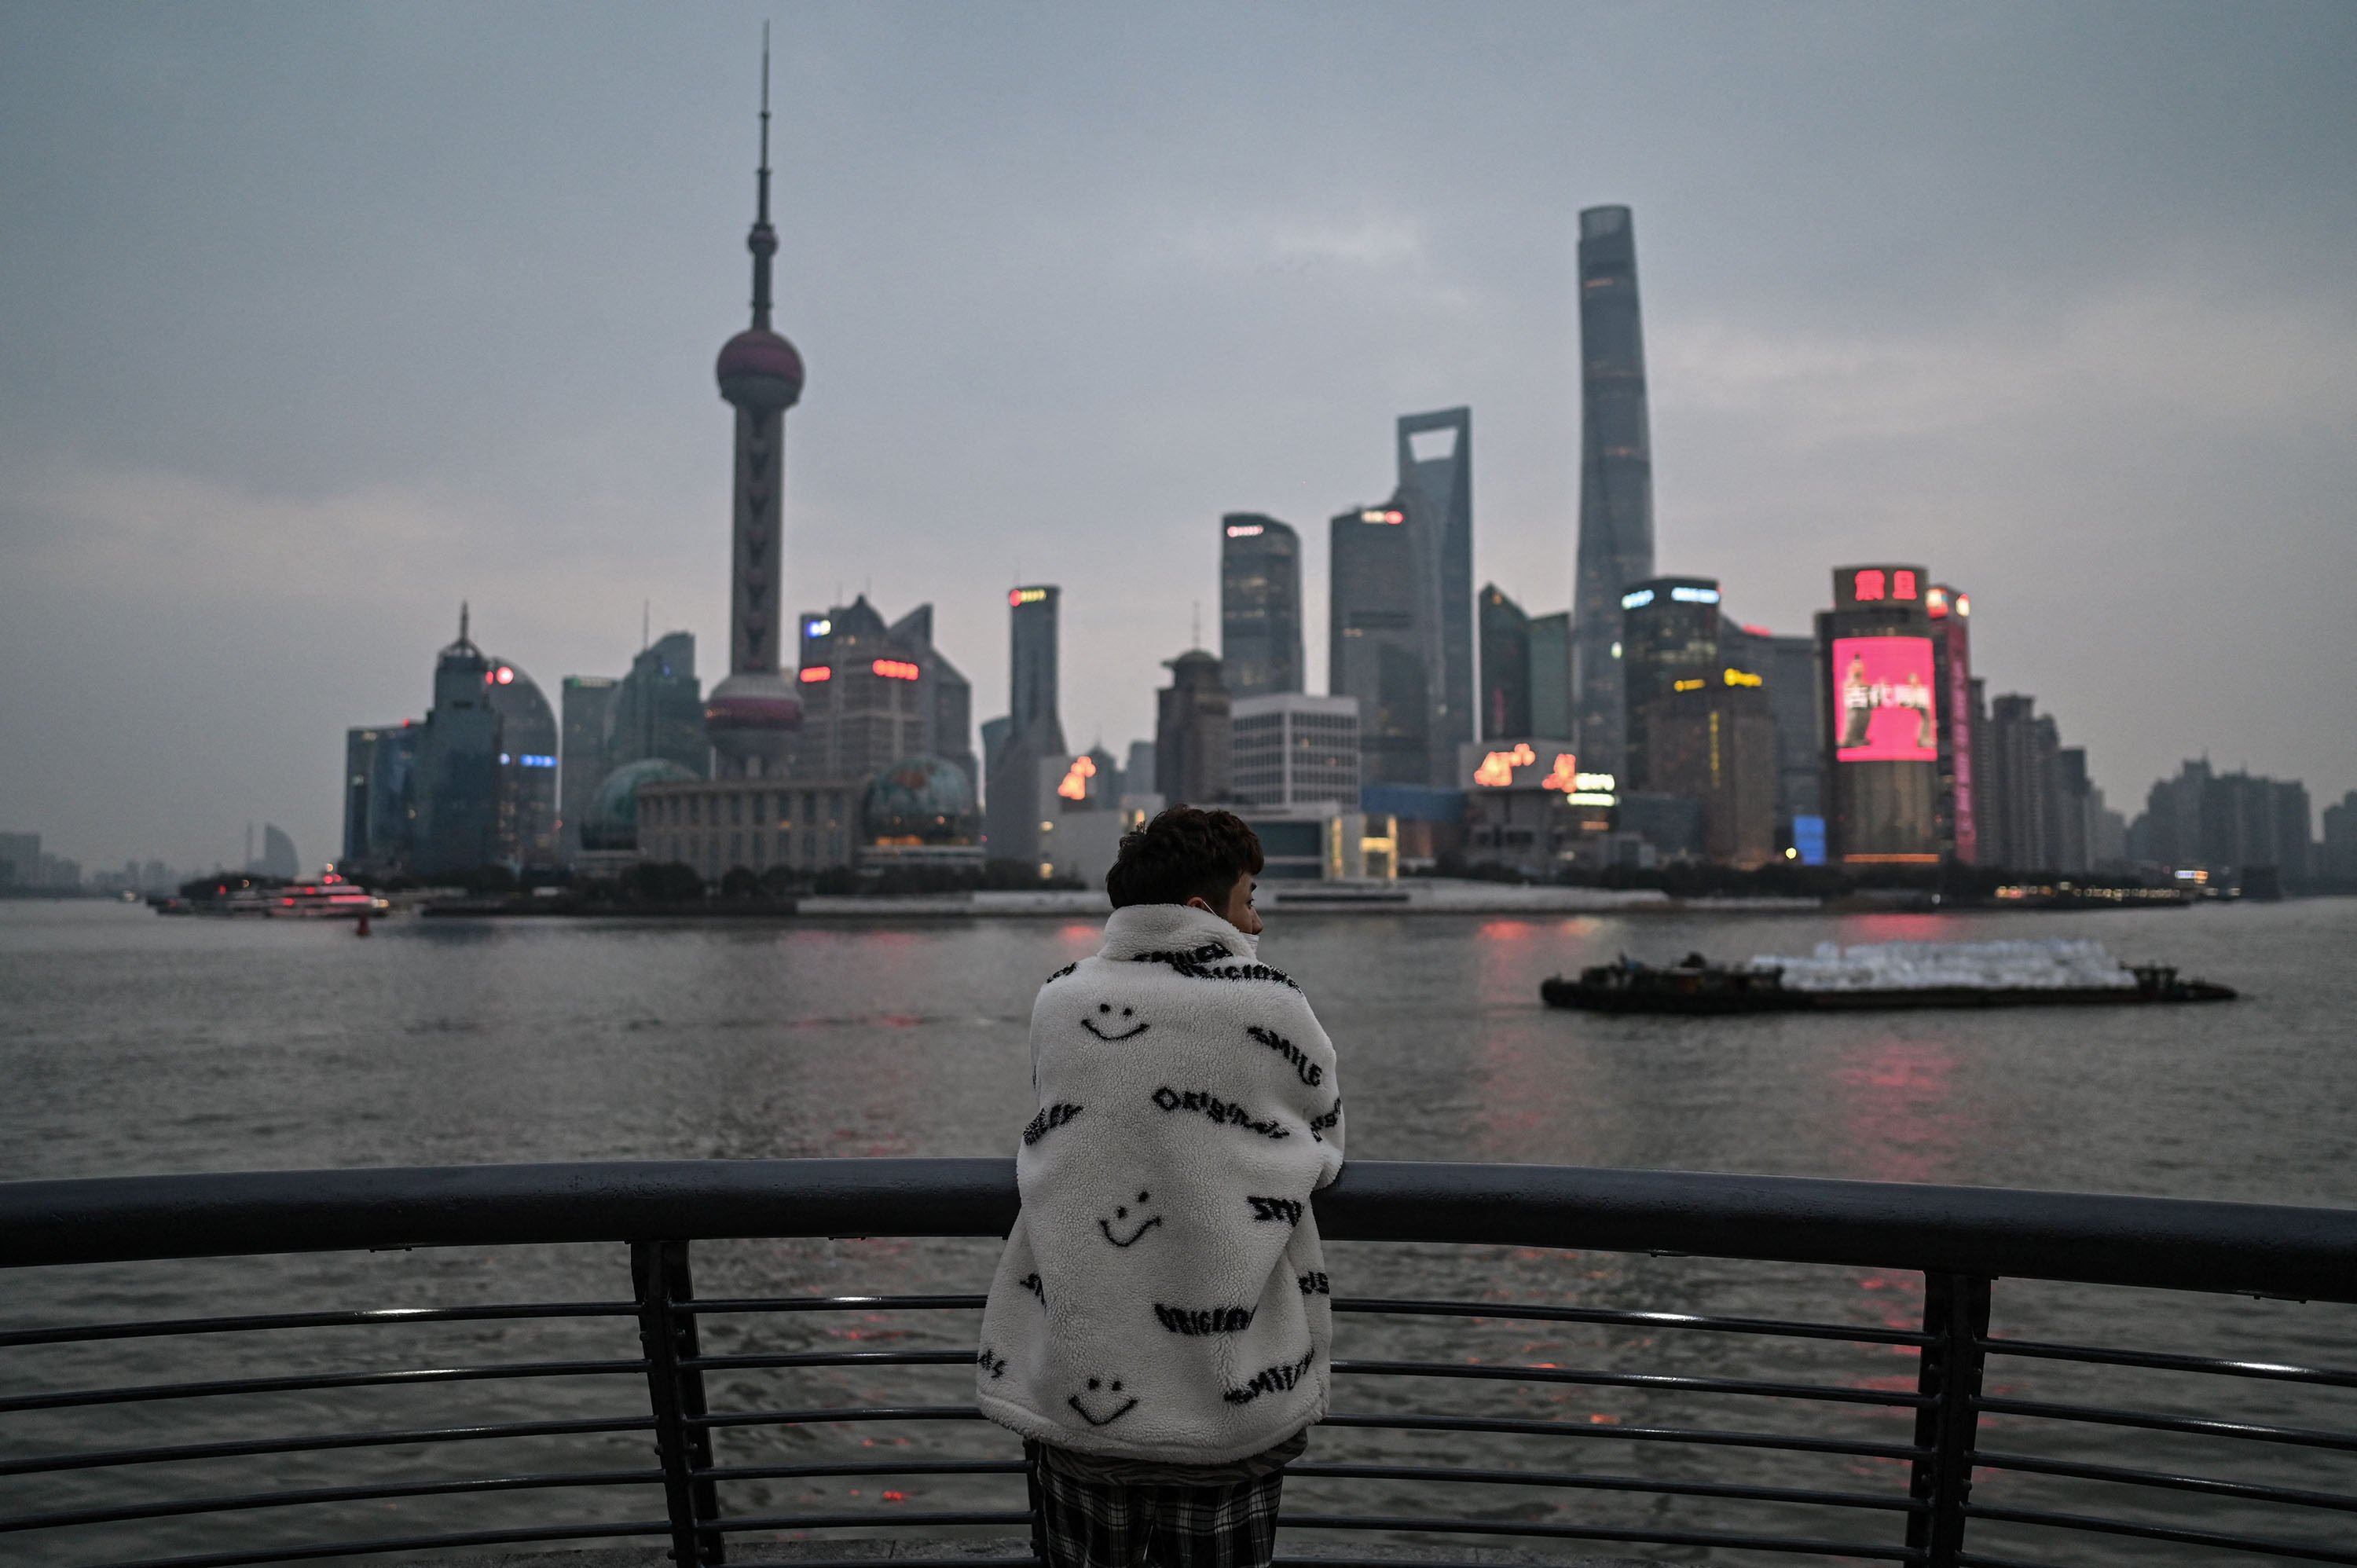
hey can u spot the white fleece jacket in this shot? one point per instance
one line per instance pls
(1163, 1295)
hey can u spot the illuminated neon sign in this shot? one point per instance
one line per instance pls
(1564, 775)
(1020, 596)
(537, 759)
(1877, 585)
(1744, 678)
(814, 674)
(1075, 786)
(1497, 769)
(1694, 596)
(1243, 530)
(819, 628)
(1882, 695)
(1696, 684)
(1379, 514)
(895, 669)
(1637, 600)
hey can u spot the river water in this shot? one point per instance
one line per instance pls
(133, 1043)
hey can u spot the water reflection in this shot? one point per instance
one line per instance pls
(1898, 1112)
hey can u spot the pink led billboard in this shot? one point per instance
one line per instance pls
(1882, 699)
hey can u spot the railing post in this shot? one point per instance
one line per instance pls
(658, 1272)
(1956, 1316)
(1038, 1504)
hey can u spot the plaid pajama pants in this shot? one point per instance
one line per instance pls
(1094, 1524)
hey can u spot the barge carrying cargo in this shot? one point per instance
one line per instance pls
(1888, 976)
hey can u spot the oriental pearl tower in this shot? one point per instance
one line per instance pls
(752, 716)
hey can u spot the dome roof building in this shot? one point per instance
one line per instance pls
(612, 824)
(919, 815)
(920, 801)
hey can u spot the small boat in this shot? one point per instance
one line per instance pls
(1898, 974)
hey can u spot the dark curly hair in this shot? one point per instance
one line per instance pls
(1185, 852)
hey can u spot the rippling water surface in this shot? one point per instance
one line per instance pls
(133, 1043)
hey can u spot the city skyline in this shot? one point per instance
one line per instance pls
(243, 494)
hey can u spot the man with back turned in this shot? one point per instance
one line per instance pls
(1160, 1327)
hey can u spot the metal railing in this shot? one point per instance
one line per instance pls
(706, 1483)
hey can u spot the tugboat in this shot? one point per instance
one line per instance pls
(1905, 974)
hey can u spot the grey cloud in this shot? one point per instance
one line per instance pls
(351, 312)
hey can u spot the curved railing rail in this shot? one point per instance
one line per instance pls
(1960, 1239)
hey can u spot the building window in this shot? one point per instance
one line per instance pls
(736, 810)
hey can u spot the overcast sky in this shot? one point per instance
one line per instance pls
(315, 320)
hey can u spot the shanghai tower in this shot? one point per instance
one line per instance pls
(1616, 480)
(752, 716)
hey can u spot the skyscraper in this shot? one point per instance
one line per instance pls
(875, 695)
(1551, 675)
(1616, 477)
(455, 783)
(1670, 645)
(2017, 799)
(1880, 705)
(1505, 666)
(1375, 653)
(1260, 604)
(1791, 666)
(1952, 660)
(1193, 733)
(1436, 482)
(1401, 607)
(1032, 729)
(752, 714)
(586, 703)
(1033, 677)
(377, 763)
(658, 709)
(528, 742)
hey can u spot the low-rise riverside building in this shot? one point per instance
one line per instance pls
(715, 825)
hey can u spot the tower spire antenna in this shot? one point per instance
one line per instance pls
(462, 620)
(763, 240)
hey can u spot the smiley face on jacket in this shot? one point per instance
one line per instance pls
(1137, 1226)
(1108, 1024)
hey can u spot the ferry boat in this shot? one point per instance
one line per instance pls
(1898, 974)
(329, 897)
